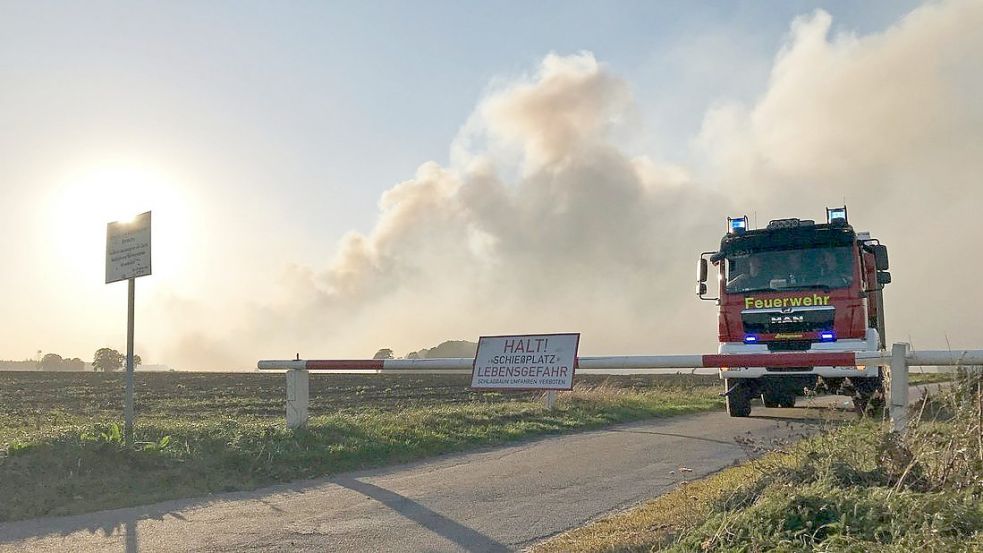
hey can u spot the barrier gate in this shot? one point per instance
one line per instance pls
(898, 360)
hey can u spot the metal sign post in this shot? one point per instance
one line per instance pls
(128, 257)
(128, 402)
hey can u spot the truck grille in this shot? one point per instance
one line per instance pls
(778, 321)
(790, 345)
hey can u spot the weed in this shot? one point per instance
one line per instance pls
(110, 434)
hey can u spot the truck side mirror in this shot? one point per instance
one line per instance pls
(880, 257)
(883, 277)
(702, 274)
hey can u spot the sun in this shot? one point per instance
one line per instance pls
(86, 201)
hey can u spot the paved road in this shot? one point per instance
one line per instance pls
(499, 499)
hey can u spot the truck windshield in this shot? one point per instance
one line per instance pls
(798, 269)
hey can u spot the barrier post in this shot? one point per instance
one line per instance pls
(899, 387)
(298, 395)
(550, 400)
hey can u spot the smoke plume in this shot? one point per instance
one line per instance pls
(543, 222)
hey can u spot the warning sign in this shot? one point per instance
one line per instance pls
(525, 362)
(128, 249)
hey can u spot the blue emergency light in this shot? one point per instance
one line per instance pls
(737, 225)
(827, 336)
(836, 215)
(750, 339)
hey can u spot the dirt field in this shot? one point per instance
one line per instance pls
(198, 433)
(29, 395)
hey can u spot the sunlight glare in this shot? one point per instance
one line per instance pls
(89, 200)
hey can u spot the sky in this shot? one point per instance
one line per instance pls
(333, 178)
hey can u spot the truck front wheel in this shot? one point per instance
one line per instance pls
(868, 394)
(770, 398)
(738, 397)
(778, 397)
(778, 392)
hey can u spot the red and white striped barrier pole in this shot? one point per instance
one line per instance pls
(899, 358)
(711, 361)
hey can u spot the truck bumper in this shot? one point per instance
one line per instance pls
(869, 343)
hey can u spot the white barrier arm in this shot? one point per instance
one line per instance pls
(621, 362)
(466, 363)
(282, 365)
(641, 362)
(943, 357)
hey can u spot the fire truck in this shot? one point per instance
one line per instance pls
(798, 286)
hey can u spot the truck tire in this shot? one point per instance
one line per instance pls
(777, 394)
(771, 398)
(738, 397)
(787, 401)
(868, 403)
(868, 394)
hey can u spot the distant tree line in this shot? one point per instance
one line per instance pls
(25, 365)
(105, 359)
(55, 362)
(450, 348)
(109, 360)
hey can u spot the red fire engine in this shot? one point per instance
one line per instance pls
(798, 286)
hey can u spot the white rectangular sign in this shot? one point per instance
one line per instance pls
(128, 249)
(526, 362)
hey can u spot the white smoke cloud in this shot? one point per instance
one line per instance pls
(544, 223)
(893, 123)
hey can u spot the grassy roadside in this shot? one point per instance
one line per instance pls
(856, 488)
(656, 523)
(75, 463)
(930, 378)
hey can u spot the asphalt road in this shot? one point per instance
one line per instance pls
(500, 499)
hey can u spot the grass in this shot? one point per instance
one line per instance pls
(659, 521)
(930, 378)
(858, 488)
(61, 448)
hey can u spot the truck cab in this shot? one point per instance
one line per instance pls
(797, 286)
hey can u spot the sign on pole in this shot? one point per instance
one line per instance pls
(128, 257)
(525, 362)
(128, 249)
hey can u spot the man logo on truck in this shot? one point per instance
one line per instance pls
(788, 319)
